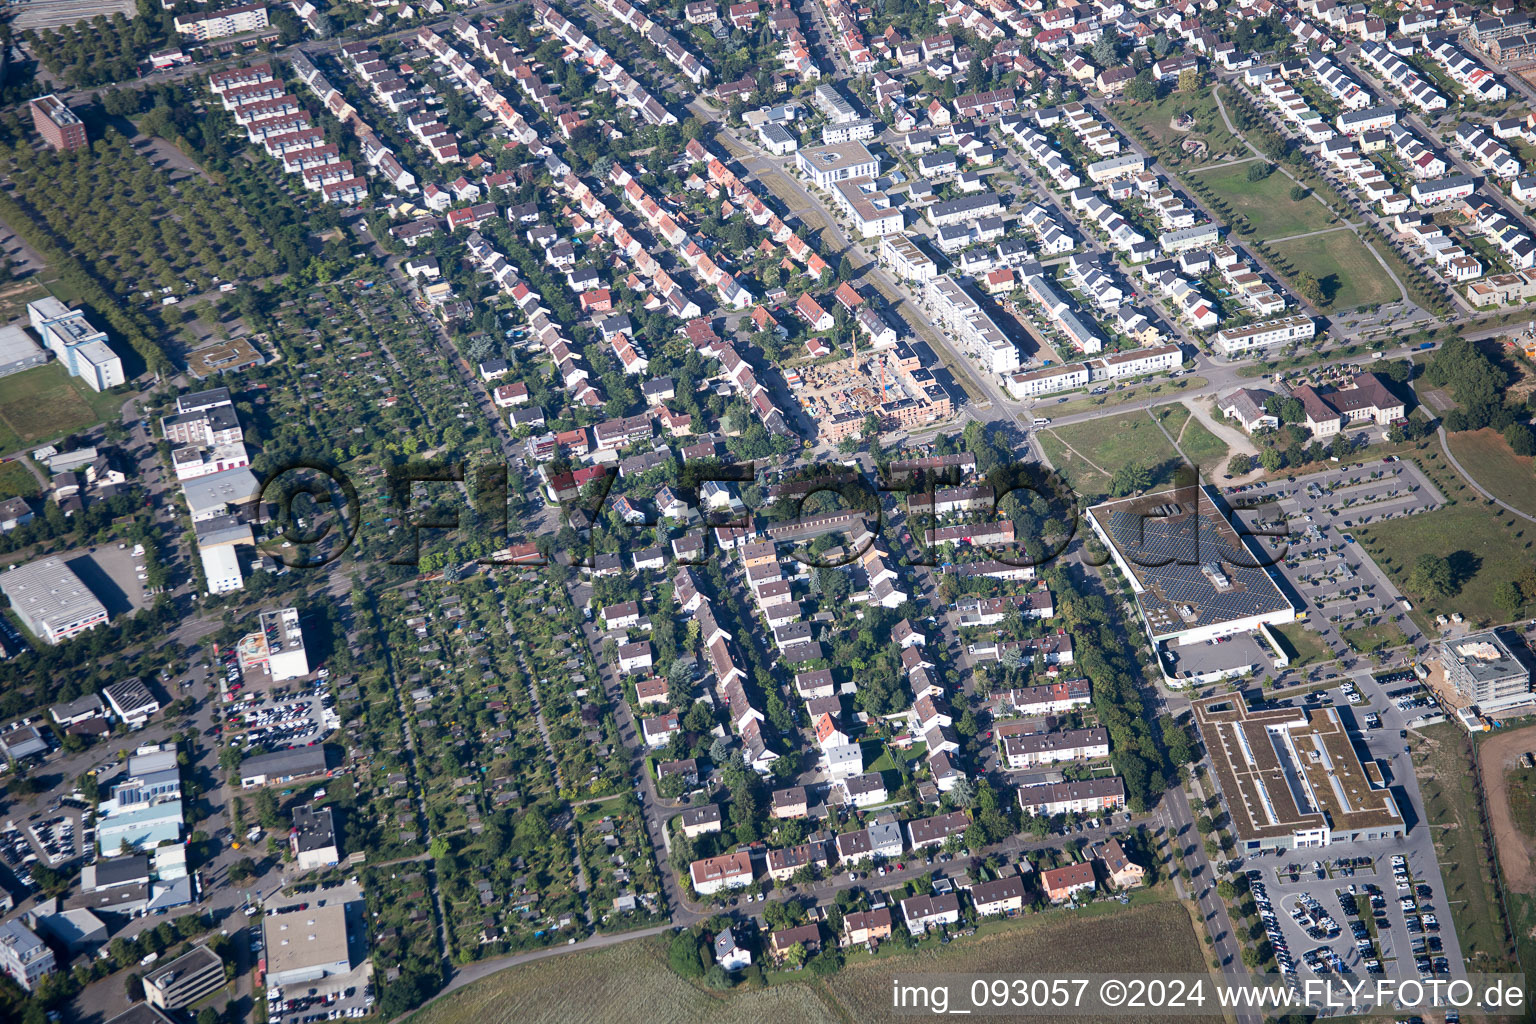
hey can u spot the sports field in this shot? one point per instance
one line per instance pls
(1267, 204)
(1487, 457)
(1346, 269)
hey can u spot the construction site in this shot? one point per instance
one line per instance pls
(891, 384)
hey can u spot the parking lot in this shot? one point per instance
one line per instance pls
(280, 724)
(1304, 524)
(62, 835)
(1369, 911)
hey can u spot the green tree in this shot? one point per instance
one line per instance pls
(683, 955)
(1258, 171)
(1431, 576)
(1239, 464)
(1507, 596)
(1271, 460)
(1521, 439)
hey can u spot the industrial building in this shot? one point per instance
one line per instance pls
(1290, 777)
(50, 600)
(18, 351)
(283, 766)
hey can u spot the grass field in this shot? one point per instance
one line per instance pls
(1088, 454)
(45, 403)
(1486, 455)
(1203, 448)
(1366, 639)
(1442, 760)
(1137, 391)
(610, 984)
(1306, 647)
(1172, 417)
(1157, 119)
(1267, 204)
(1485, 546)
(1154, 937)
(16, 482)
(1346, 269)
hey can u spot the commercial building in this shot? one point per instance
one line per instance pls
(1194, 578)
(59, 126)
(182, 982)
(277, 648)
(826, 165)
(78, 344)
(1366, 399)
(24, 958)
(230, 21)
(1291, 778)
(50, 600)
(306, 945)
(143, 811)
(214, 495)
(312, 840)
(283, 766)
(131, 700)
(1486, 670)
(18, 351)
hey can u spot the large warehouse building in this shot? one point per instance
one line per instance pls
(50, 600)
(305, 945)
(1290, 777)
(1194, 578)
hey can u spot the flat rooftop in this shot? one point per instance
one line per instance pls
(1284, 770)
(844, 154)
(1484, 656)
(1187, 563)
(48, 591)
(303, 939)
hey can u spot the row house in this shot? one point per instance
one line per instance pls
(1033, 750)
(1480, 84)
(1091, 796)
(1403, 77)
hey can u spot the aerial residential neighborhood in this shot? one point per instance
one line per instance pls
(507, 504)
